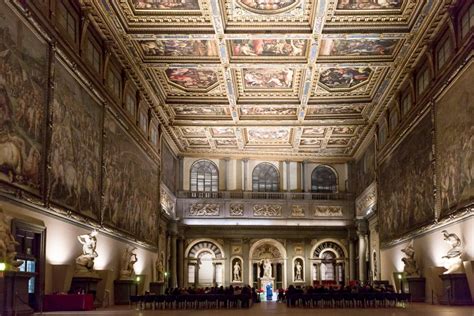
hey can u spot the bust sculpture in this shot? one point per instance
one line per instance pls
(129, 258)
(411, 268)
(7, 245)
(85, 262)
(453, 259)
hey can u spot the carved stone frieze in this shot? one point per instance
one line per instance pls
(236, 209)
(367, 200)
(266, 251)
(297, 211)
(267, 210)
(167, 202)
(204, 209)
(327, 210)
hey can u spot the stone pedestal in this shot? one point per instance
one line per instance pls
(85, 285)
(265, 282)
(123, 289)
(416, 287)
(157, 287)
(456, 289)
(14, 293)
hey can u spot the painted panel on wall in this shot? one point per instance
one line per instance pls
(364, 171)
(169, 167)
(130, 184)
(406, 184)
(23, 97)
(455, 144)
(75, 146)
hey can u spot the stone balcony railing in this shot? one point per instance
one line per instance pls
(248, 195)
(250, 208)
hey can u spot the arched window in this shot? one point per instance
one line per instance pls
(265, 178)
(323, 180)
(204, 176)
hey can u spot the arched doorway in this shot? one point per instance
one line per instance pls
(330, 260)
(205, 263)
(267, 261)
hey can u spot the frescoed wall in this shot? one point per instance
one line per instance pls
(75, 146)
(130, 184)
(23, 97)
(405, 191)
(169, 167)
(455, 144)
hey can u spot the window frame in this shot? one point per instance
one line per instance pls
(214, 178)
(69, 12)
(267, 184)
(333, 188)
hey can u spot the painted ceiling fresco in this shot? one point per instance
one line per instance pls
(232, 76)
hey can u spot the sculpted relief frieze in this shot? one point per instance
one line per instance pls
(266, 251)
(204, 209)
(297, 211)
(267, 210)
(326, 210)
(236, 210)
(167, 202)
(367, 200)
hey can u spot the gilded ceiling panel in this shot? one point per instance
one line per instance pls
(166, 50)
(268, 110)
(259, 49)
(268, 134)
(358, 48)
(336, 109)
(198, 110)
(222, 132)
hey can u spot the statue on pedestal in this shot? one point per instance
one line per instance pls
(411, 268)
(7, 245)
(85, 262)
(298, 271)
(267, 269)
(453, 259)
(160, 268)
(237, 269)
(129, 258)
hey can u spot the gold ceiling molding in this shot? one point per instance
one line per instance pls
(245, 64)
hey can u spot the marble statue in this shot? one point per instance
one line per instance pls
(411, 268)
(129, 258)
(453, 259)
(237, 271)
(160, 268)
(267, 269)
(7, 245)
(299, 269)
(85, 262)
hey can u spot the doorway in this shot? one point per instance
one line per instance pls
(31, 249)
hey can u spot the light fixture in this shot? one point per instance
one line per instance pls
(138, 279)
(3, 266)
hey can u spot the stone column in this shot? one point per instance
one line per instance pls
(303, 176)
(180, 251)
(362, 262)
(246, 166)
(180, 173)
(351, 260)
(226, 174)
(173, 230)
(288, 182)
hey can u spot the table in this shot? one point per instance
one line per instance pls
(69, 302)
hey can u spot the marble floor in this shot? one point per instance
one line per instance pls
(278, 309)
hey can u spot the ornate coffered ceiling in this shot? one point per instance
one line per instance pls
(298, 78)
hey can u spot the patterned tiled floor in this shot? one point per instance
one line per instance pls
(278, 309)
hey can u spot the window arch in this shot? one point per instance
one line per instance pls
(204, 176)
(265, 178)
(323, 180)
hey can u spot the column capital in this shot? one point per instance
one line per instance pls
(245, 160)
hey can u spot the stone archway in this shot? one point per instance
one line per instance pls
(205, 263)
(268, 259)
(330, 262)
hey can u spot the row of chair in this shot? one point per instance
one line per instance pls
(191, 301)
(336, 299)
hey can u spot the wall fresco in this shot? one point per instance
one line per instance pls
(169, 164)
(405, 197)
(130, 184)
(75, 146)
(23, 97)
(455, 144)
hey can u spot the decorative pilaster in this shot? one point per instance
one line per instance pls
(246, 166)
(288, 182)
